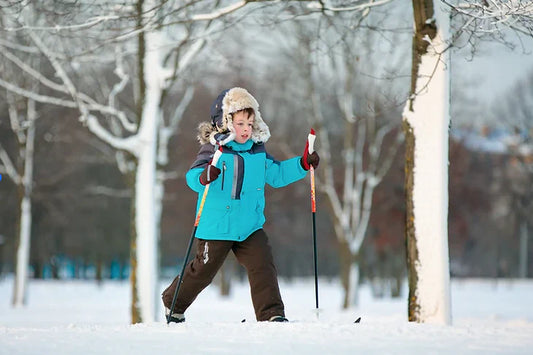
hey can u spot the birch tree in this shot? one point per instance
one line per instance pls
(366, 158)
(149, 44)
(20, 170)
(146, 59)
(514, 111)
(359, 110)
(426, 121)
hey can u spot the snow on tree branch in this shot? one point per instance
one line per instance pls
(166, 131)
(89, 23)
(34, 73)
(37, 97)
(185, 61)
(121, 73)
(220, 12)
(91, 120)
(62, 74)
(18, 47)
(128, 144)
(490, 16)
(17, 126)
(82, 106)
(322, 6)
(61, 88)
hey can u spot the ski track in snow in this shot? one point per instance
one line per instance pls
(79, 317)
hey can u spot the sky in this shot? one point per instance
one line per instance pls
(495, 69)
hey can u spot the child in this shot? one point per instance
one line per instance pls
(232, 217)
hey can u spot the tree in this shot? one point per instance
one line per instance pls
(19, 168)
(426, 121)
(515, 114)
(148, 44)
(369, 145)
(334, 86)
(138, 132)
(21, 173)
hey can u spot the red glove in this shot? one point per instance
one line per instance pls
(209, 174)
(309, 160)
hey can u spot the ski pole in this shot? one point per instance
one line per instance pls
(214, 161)
(311, 140)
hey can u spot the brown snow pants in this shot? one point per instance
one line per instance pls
(254, 253)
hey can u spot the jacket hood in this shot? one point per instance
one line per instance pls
(220, 130)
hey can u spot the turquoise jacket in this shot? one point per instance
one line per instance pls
(235, 203)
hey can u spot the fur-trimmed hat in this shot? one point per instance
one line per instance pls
(220, 129)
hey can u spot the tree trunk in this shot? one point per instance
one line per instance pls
(426, 122)
(25, 219)
(523, 250)
(23, 252)
(144, 283)
(349, 275)
(99, 271)
(135, 312)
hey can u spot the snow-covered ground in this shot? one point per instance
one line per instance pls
(78, 317)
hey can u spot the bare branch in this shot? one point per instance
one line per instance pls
(128, 144)
(90, 23)
(491, 17)
(18, 47)
(354, 8)
(220, 12)
(26, 68)
(77, 97)
(8, 167)
(107, 191)
(37, 97)
(167, 131)
(121, 73)
(14, 119)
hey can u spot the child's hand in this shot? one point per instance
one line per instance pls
(309, 160)
(209, 174)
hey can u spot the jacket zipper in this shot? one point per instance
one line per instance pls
(238, 174)
(223, 173)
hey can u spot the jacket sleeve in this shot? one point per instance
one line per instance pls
(203, 158)
(282, 173)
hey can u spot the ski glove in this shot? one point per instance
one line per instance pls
(309, 159)
(209, 174)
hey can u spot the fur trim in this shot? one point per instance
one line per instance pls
(234, 100)
(204, 132)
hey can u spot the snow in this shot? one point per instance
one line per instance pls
(69, 317)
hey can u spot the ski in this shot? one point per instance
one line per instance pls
(357, 321)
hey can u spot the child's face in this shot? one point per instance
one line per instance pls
(243, 126)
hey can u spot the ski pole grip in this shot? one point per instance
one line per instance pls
(216, 156)
(311, 140)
